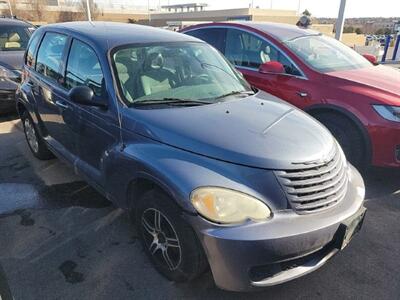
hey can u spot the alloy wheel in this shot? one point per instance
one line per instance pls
(161, 239)
(31, 135)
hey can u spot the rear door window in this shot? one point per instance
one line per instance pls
(244, 49)
(213, 36)
(50, 55)
(83, 68)
(14, 38)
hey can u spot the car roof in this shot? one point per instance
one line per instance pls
(14, 22)
(112, 34)
(279, 31)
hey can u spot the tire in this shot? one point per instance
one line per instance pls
(348, 136)
(183, 259)
(35, 141)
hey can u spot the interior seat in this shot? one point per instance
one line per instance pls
(14, 41)
(128, 70)
(154, 77)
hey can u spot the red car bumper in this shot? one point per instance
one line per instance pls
(385, 142)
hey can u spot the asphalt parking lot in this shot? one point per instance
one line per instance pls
(59, 239)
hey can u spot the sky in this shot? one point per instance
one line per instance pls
(319, 8)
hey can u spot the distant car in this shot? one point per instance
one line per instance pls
(358, 101)
(14, 37)
(214, 174)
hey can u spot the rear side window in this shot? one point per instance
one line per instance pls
(13, 38)
(83, 68)
(246, 50)
(49, 58)
(30, 54)
(213, 36)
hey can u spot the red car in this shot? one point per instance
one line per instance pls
(356, 99)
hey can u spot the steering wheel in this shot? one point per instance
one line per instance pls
(198, 79)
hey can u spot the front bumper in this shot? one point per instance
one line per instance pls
(386, 145)
(253, 255)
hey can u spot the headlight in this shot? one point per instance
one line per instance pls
(7, 74)
(228, 206)
(391, 113)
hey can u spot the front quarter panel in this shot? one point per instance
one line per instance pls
(179, 172)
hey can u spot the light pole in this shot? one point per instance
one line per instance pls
(340, 20)
(89, 14)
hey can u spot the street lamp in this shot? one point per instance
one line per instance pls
(89, 15)
(340, 21)
(9, 6)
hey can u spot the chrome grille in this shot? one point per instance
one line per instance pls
(315, 186)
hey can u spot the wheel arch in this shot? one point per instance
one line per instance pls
(333, 109)
(21, 108)
(25, 104)
(138, 186)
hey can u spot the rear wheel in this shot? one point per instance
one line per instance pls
(35, 141)
(348, 136)
(167, 239)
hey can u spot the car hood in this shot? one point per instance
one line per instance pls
(258, 131)
(12, 60)
(380, 78)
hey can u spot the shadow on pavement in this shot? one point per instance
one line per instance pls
(380, 182)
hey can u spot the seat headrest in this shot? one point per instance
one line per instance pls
(154, 61)
(14, 37)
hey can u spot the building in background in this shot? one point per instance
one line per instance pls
(50, 11)
(169, 16)
(197, 12)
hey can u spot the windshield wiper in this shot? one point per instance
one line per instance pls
(248, 93)
(170, 101)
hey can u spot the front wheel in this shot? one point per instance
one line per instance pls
(348, 136)
(167, 239)
(33, 138)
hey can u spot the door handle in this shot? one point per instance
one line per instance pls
(62, 105)
(302, 94)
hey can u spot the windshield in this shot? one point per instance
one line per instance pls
(326, 54)
(14, 38)
(187, 71)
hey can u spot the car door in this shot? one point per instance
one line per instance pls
(57, 113)
(97, 128)
(247, 51)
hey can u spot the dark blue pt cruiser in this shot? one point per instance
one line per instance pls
(216, 175)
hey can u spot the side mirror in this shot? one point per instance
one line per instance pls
(85, 96)
(371, 58)
(273, 67)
